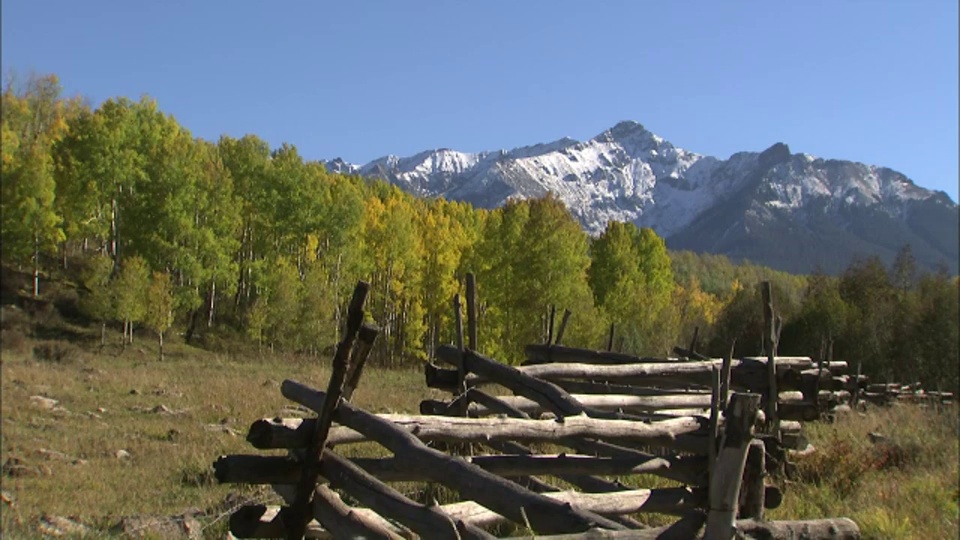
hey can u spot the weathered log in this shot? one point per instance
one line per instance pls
(255, 522)
(771, 337)
(335, 515)
(260, 521)
(545, 393)
(563, 326)
(672, 433)
(480, 400)
(471, 311)
(591, 387)
(748, 373)
(686, 528)
(627, 403)
(792, 410)
(258, 469)
(545, 354)
(440, 378)
(664, 500)
(472, 482)
(824, 529)
(427, 521)
(297, 515)
(358, 358)
(753, 491)
(725, 483)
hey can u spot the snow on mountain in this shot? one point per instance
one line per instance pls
(628, 173)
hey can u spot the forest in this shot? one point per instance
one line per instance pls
(230, 243)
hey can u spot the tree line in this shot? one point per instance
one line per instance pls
(234, 240)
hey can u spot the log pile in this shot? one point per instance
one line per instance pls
(704, 438)
(889, 393)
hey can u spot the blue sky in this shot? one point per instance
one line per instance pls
(871, 81)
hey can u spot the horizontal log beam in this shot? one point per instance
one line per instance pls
(747, 373)
(547, 354)
(272, 433)
(258, 469)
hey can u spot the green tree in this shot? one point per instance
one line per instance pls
(96, 298)
(632, 280)
(31, 224)
(130, 289)
(865, 287)
(159, 306)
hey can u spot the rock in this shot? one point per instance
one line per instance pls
(101, 410)
(61, 526)
(122, 454)
(44, 403)
(222, 429)
(17, 468)
(162, 527)
(161, 409)
(135, 392)
(7, 499)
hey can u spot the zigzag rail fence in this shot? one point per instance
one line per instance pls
(608, 410)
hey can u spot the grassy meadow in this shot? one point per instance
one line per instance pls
(168, 421)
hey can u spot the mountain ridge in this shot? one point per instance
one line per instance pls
(748, 206)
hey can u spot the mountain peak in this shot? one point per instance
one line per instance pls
(626, 129)
(778, 153)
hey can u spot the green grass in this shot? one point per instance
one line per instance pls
(907, 488)
(906, 491)
(107, 402)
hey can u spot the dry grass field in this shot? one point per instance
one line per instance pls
(130, 435)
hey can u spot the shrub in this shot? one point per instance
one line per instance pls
(57, 351)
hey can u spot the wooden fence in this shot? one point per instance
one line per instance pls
(586, 418)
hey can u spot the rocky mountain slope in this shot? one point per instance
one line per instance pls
(788, 211)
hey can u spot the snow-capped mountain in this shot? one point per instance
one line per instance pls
(788, 211)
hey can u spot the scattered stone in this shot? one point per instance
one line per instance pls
(7, 499)
(161, 409)
(44, 403)
(164, 527)
(165, 392)
(60, 456)
(135, 392)
(61, 526)
(222, 429)
(94, 415)
(122, 454)
(101, 410)
(877, 438)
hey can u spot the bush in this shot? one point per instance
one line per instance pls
(57, 351)
(14, 341)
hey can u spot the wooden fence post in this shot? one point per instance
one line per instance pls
(471, 311)
(563, 326)
(296, 516)
(770, 328)
(725, 483)
(753, 492)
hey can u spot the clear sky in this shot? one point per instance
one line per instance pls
(872, 81)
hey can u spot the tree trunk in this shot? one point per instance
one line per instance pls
(36, 265)
(211, 303)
